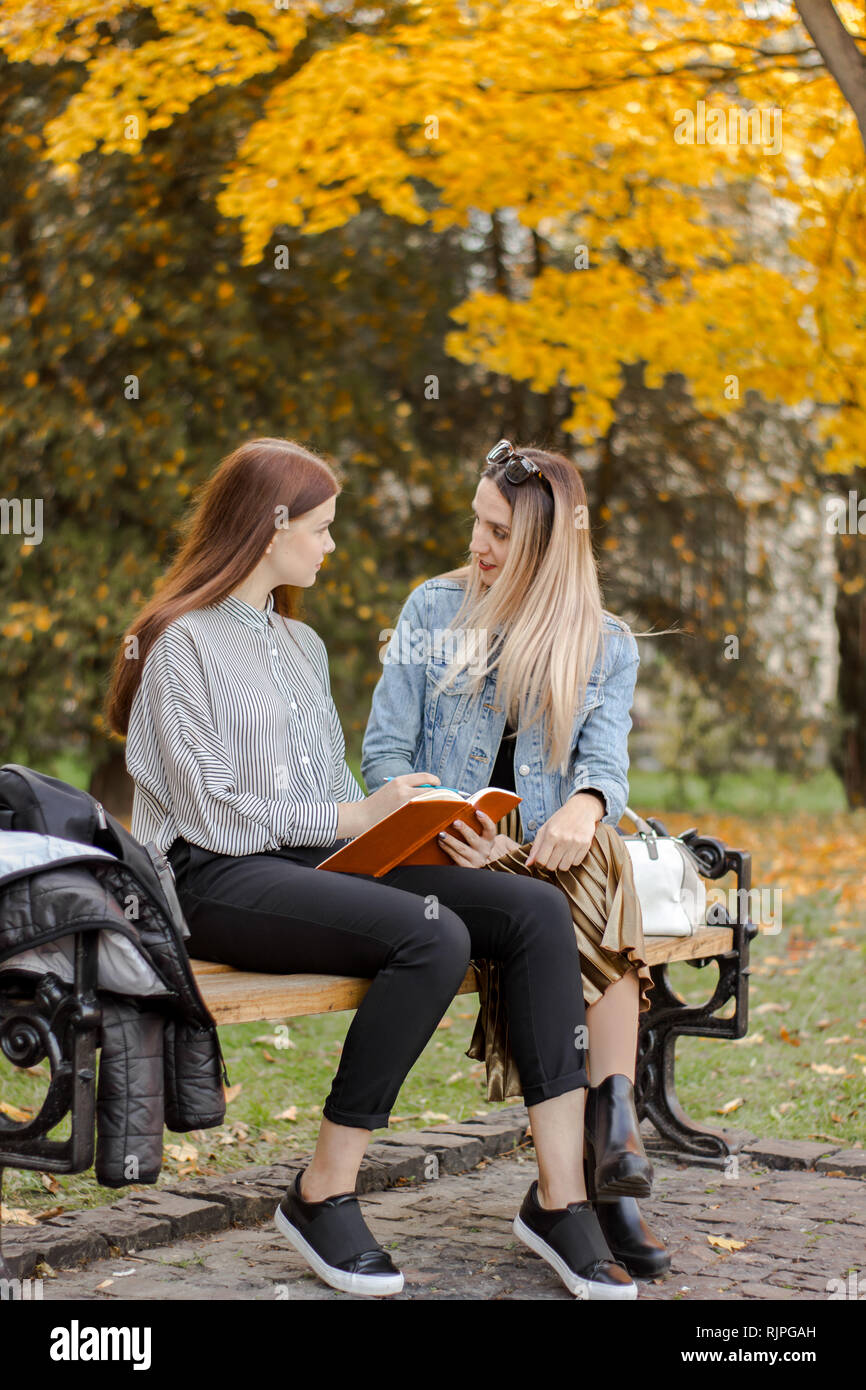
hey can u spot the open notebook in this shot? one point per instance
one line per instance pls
(408, 835)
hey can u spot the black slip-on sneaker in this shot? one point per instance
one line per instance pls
(571, 1240)
(334, 1239)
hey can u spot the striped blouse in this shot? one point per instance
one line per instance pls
(234, 741)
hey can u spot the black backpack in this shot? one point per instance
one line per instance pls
(194, 1098)
(31, 800)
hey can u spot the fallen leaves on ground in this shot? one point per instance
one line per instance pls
(17, 1216)
(182, 1153)
(724, 1243)
(282, 1042)
(185, 1157)
(14, 1112)
(729, 1106)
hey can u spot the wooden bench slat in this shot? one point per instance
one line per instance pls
(243, 996)
(240, 996)
(711, 941)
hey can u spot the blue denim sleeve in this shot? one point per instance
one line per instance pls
(602, 745)
(395, 729)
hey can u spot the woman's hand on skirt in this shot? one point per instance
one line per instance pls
(474, 851)
(563, 840)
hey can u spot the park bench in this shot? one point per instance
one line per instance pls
(237, 996)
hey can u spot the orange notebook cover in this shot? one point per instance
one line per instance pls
(408, 835)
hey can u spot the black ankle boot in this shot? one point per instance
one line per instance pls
(620, 1167)
(630, 1239)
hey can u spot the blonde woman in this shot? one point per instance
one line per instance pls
(510, 673)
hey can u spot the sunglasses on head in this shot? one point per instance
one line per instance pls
(517, 468)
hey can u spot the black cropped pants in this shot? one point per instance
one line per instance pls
(413, 933)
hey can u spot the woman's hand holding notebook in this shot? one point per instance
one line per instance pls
(408, 835)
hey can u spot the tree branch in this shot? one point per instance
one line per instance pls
(845, 63)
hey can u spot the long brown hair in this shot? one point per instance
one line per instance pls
(260, 485)
(546, 603)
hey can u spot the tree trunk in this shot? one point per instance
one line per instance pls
(849, 755)
(111, 784)
(845, 63)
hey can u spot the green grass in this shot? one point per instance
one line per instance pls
(820, 1008)
(759, 792)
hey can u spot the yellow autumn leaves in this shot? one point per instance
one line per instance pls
(739, 263)
(26, 619)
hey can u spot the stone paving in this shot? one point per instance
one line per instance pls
(452, 1238)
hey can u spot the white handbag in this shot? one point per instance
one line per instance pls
(671, 892)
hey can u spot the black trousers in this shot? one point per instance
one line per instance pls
(413, 933)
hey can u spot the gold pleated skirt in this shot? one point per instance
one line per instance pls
(608, 926)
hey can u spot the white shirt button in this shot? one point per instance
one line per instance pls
(273, 651)
(532, 825)
(305, 759)
(524, 769)
(293, 705)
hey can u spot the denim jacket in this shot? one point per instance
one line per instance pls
(415, 727)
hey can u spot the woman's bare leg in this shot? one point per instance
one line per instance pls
(557, 1133)
(612, 1024)
(335, 1163)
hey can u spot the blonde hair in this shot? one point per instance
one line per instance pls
(545, 606)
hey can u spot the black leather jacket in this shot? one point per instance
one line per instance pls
(68, 867)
